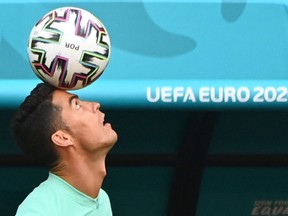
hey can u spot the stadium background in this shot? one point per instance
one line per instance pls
(172, 158)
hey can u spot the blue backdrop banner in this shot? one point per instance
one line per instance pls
(182, 54)
(182, 94)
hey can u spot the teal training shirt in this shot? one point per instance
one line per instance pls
(55, 197)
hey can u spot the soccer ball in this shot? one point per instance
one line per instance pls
(69, 48)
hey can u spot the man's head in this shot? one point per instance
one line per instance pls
(35, 121)
(86, 130)
(50, 120)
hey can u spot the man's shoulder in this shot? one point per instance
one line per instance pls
(39, 193)
(56, 197)
(37, 201)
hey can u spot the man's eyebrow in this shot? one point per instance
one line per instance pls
(72, 98)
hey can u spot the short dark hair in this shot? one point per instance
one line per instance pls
(34, 122)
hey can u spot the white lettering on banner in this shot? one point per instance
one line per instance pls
(169, 94)
(189, 95)
(243, 94)
(270, 94)
(166, 93)
(222, 94)
(263, 202)
(230, 93)
(270, 208)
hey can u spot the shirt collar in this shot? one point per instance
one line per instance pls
(63, 186)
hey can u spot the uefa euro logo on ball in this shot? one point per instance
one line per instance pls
(69, 48)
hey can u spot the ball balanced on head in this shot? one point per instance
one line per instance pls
(69, 48)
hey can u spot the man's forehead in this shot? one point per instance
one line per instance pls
(61, 96)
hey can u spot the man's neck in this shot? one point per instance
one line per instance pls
(86, 177)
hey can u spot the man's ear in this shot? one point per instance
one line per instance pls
(62, 138)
